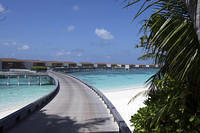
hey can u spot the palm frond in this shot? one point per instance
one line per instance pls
(141, 93)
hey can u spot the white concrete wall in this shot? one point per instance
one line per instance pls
(127, 66)
(136, 65)
(119, 65)
(0, 65)
(108, 65)
(79, 65)
(147, 65)
(28, 64)
(96, 65)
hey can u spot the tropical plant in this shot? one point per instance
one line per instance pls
(38, 68)
(194, 11)
(169, 38)
(164, 111)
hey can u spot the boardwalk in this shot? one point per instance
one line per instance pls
(75, 109)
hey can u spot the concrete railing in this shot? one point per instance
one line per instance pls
(123, 128)
(12, 119)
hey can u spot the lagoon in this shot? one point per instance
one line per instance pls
(116, 79)
(14, 97)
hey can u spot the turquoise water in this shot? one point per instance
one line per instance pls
(13, 95)
(23, 80)
(109, 79)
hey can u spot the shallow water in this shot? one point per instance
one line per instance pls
(13, 95)
(24, 80)
(109, 79)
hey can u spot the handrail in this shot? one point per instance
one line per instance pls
(123, 128)
(12, 119)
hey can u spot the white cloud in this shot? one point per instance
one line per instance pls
(9, 43)
(2, 9)
(70, 53)
(63, 53)
(24, 47)
(70, 28)
(75, 7)
(104, 34)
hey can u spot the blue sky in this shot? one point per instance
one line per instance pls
(70, 30)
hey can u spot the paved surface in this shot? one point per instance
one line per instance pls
(75, 109)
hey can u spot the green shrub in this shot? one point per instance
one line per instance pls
(170, 39)
(38, 68)
(168, 110)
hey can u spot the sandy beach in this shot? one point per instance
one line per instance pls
(120, 99)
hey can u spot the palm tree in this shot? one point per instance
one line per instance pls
(193, 7)
(171, 38)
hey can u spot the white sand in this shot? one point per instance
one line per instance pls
(10, 110)
(120, 99)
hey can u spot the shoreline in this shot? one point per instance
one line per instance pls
(120, 99)
(124, 88)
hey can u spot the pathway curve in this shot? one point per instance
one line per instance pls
(75, 109)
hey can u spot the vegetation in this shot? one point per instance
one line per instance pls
(38, 68)
(169, 38)
(168, 110)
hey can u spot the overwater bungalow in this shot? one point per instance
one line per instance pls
(119, 65)
(108, 65)
(70, 64)
(137, 65)
(123, 65)
(86, 65)
(48, 64)
(131, 65)
(142, 65)
(37, 62)
(127, 66)
(57, 64)
(113, 65)
(100, 65)
(11, 63)
(147, 66)
(151, 65)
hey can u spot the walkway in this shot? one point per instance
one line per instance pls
(75, 109)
